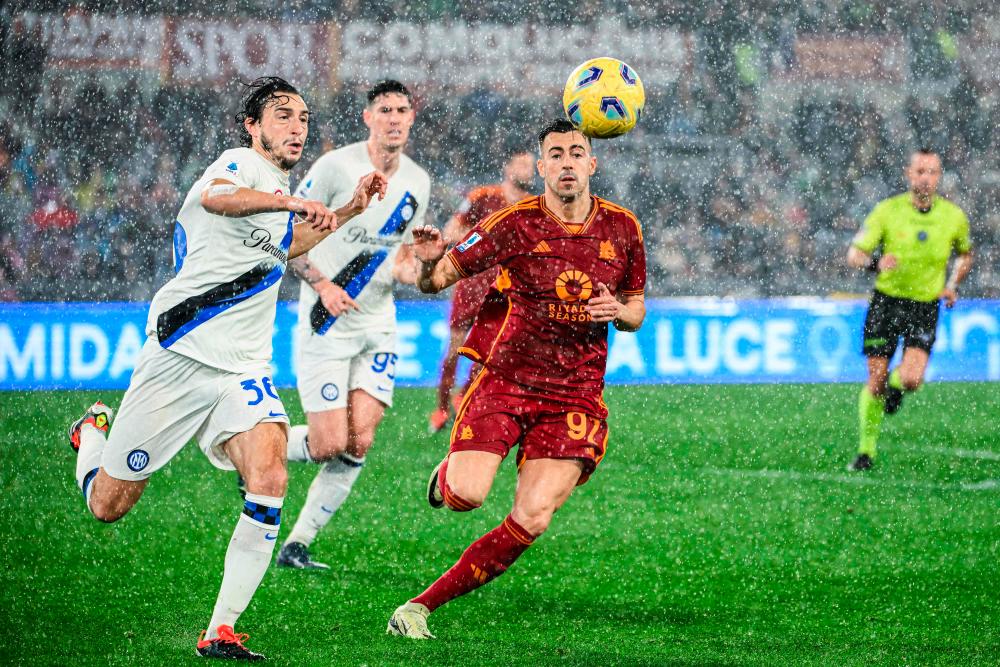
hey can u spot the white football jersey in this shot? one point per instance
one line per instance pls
(359, 256)
(219, 309)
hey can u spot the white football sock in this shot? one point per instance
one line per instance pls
(298, 444)
(326, 494)
(88, 459)
(247, 558)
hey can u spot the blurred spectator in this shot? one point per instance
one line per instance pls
(744, 188)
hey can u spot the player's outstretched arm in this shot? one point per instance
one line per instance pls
(227, 199)
(436, 272)
(306, 236)
(626, 314)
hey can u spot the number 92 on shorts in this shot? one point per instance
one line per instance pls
(498, 415)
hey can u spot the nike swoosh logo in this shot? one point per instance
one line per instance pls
(276, 414)
(270, 538)
(326, 509)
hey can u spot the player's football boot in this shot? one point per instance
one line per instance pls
(228, 646)
(410, 620)
(434, 495)
(296, 555)
(437, 421)
(862, 462)
(97, 415)
(893, 400)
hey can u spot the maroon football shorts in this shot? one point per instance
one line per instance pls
(497, 415)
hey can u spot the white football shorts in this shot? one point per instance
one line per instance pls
(172, 399)
(366, 361)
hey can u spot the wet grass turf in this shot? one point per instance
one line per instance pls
(721, 529)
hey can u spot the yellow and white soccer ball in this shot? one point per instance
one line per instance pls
(603, 98)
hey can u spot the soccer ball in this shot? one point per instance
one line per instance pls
(603, 98)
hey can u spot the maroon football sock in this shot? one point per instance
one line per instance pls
(485, 559)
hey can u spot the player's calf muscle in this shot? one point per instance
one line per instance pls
(259, 455)
(111, 499)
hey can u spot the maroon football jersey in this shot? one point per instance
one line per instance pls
(533, 328)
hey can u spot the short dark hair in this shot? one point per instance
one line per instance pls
(256, 96)
(387, 86)
(926, 150)
(511, 154)
(558, 126)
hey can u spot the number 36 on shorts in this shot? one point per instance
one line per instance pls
(257, 389)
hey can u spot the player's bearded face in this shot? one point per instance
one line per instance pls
(924, 174)
(567, 165)
(521, 171)
(284, 127)
(389, 118)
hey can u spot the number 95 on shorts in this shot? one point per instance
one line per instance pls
(324, 384)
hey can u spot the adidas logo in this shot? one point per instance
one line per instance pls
(542, 247)
(480, 575)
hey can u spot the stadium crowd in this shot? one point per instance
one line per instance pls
(738, 196)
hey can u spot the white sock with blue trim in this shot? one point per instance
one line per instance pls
(247, 558)
(298, 444)
(88, 459)
(327, 493)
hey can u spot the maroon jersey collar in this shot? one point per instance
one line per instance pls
(594, 206)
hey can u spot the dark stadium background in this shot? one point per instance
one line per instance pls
(752, 167)
(721, 528)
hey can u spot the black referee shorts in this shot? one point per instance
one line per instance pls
(890, 319)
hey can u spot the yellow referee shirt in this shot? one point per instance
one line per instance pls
(921, 242)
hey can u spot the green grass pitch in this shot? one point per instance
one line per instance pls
(721, 529)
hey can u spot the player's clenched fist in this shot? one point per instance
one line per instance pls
(428, 244)
(318, 216)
